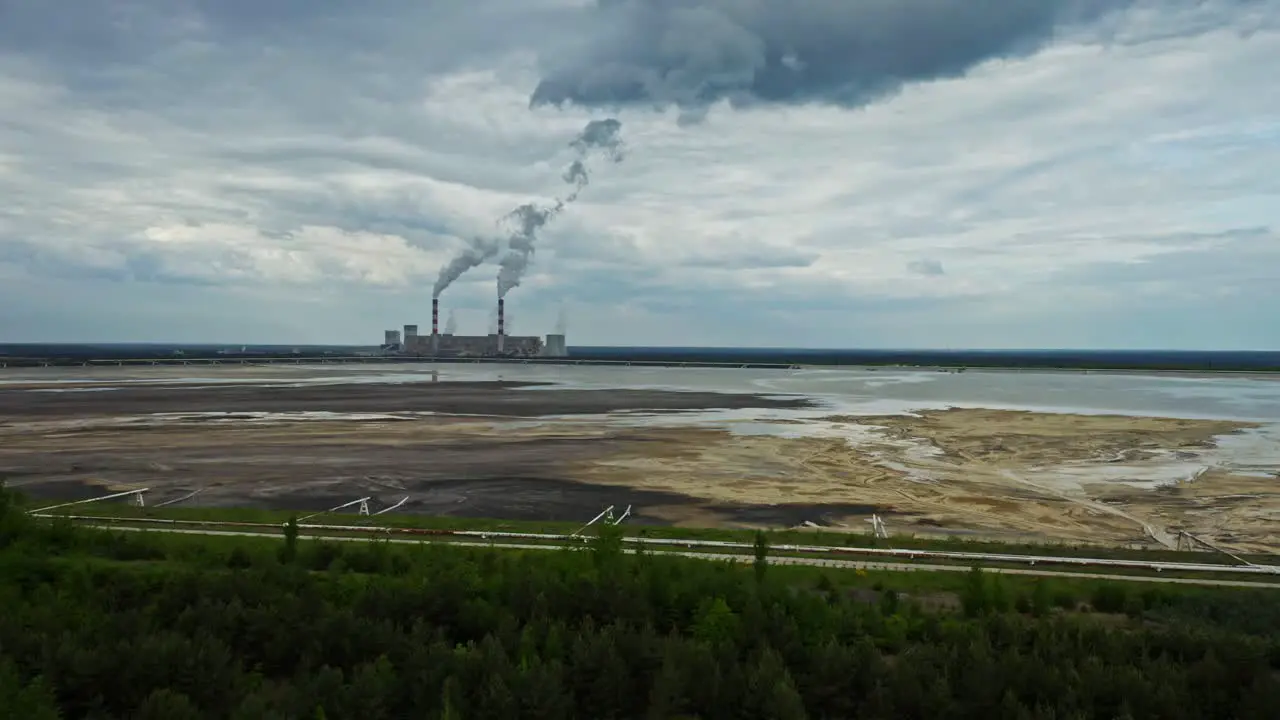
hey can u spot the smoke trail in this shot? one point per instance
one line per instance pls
(576, 175)
(562, 322)
(603, 134)
(598, 135)
(451, 324)
(477, 251)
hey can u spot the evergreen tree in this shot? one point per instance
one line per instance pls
(13, 521)
(606, 548)
(783, 702)
(668, 698)
(1041, 598)
(717, 624)
(975, 597)
(29, 701)
(451, 700)
(496, 700)
(289, 552)
(761, 555)
(167, 704)
(448, 632)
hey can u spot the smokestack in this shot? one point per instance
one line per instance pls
(501, 321)
(435, 326)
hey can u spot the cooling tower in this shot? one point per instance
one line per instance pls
(555, 346)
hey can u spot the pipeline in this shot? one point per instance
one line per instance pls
(976, 557)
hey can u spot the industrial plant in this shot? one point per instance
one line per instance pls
(599, 136)
(449, 345)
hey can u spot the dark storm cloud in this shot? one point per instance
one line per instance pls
(690, 53)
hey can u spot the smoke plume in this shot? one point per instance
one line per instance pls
(692, 53)
(603, 135)
(598, 136)
(562, 322)
(478, 250)
(451, 324)
(576, 174)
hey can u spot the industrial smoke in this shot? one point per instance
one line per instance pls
(477, 251)
(599, 136)
(562, 322)
(451, 324)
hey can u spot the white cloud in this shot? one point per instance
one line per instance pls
(322, 165)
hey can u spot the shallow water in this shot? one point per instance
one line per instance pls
(861, 391)
(849, 391)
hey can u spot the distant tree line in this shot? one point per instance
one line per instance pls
(131, 625)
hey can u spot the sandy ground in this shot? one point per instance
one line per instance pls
(986, 473)
(451, 448)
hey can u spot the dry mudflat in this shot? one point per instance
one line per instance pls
(472, 449)
(988, 473)
(486, 449)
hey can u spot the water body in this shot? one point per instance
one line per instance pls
(1248, 360)
(1043, 358)
(883, 392)
(844, 390)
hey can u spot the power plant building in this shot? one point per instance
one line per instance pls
(473, 345)
(497, 344)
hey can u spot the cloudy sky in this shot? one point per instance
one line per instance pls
(821, 173)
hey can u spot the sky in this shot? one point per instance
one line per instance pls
(796, 173)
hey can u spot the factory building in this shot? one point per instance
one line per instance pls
(439, 344)
(474, 345)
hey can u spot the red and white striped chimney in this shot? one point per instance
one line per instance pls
(435, 326)
(501, 322)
